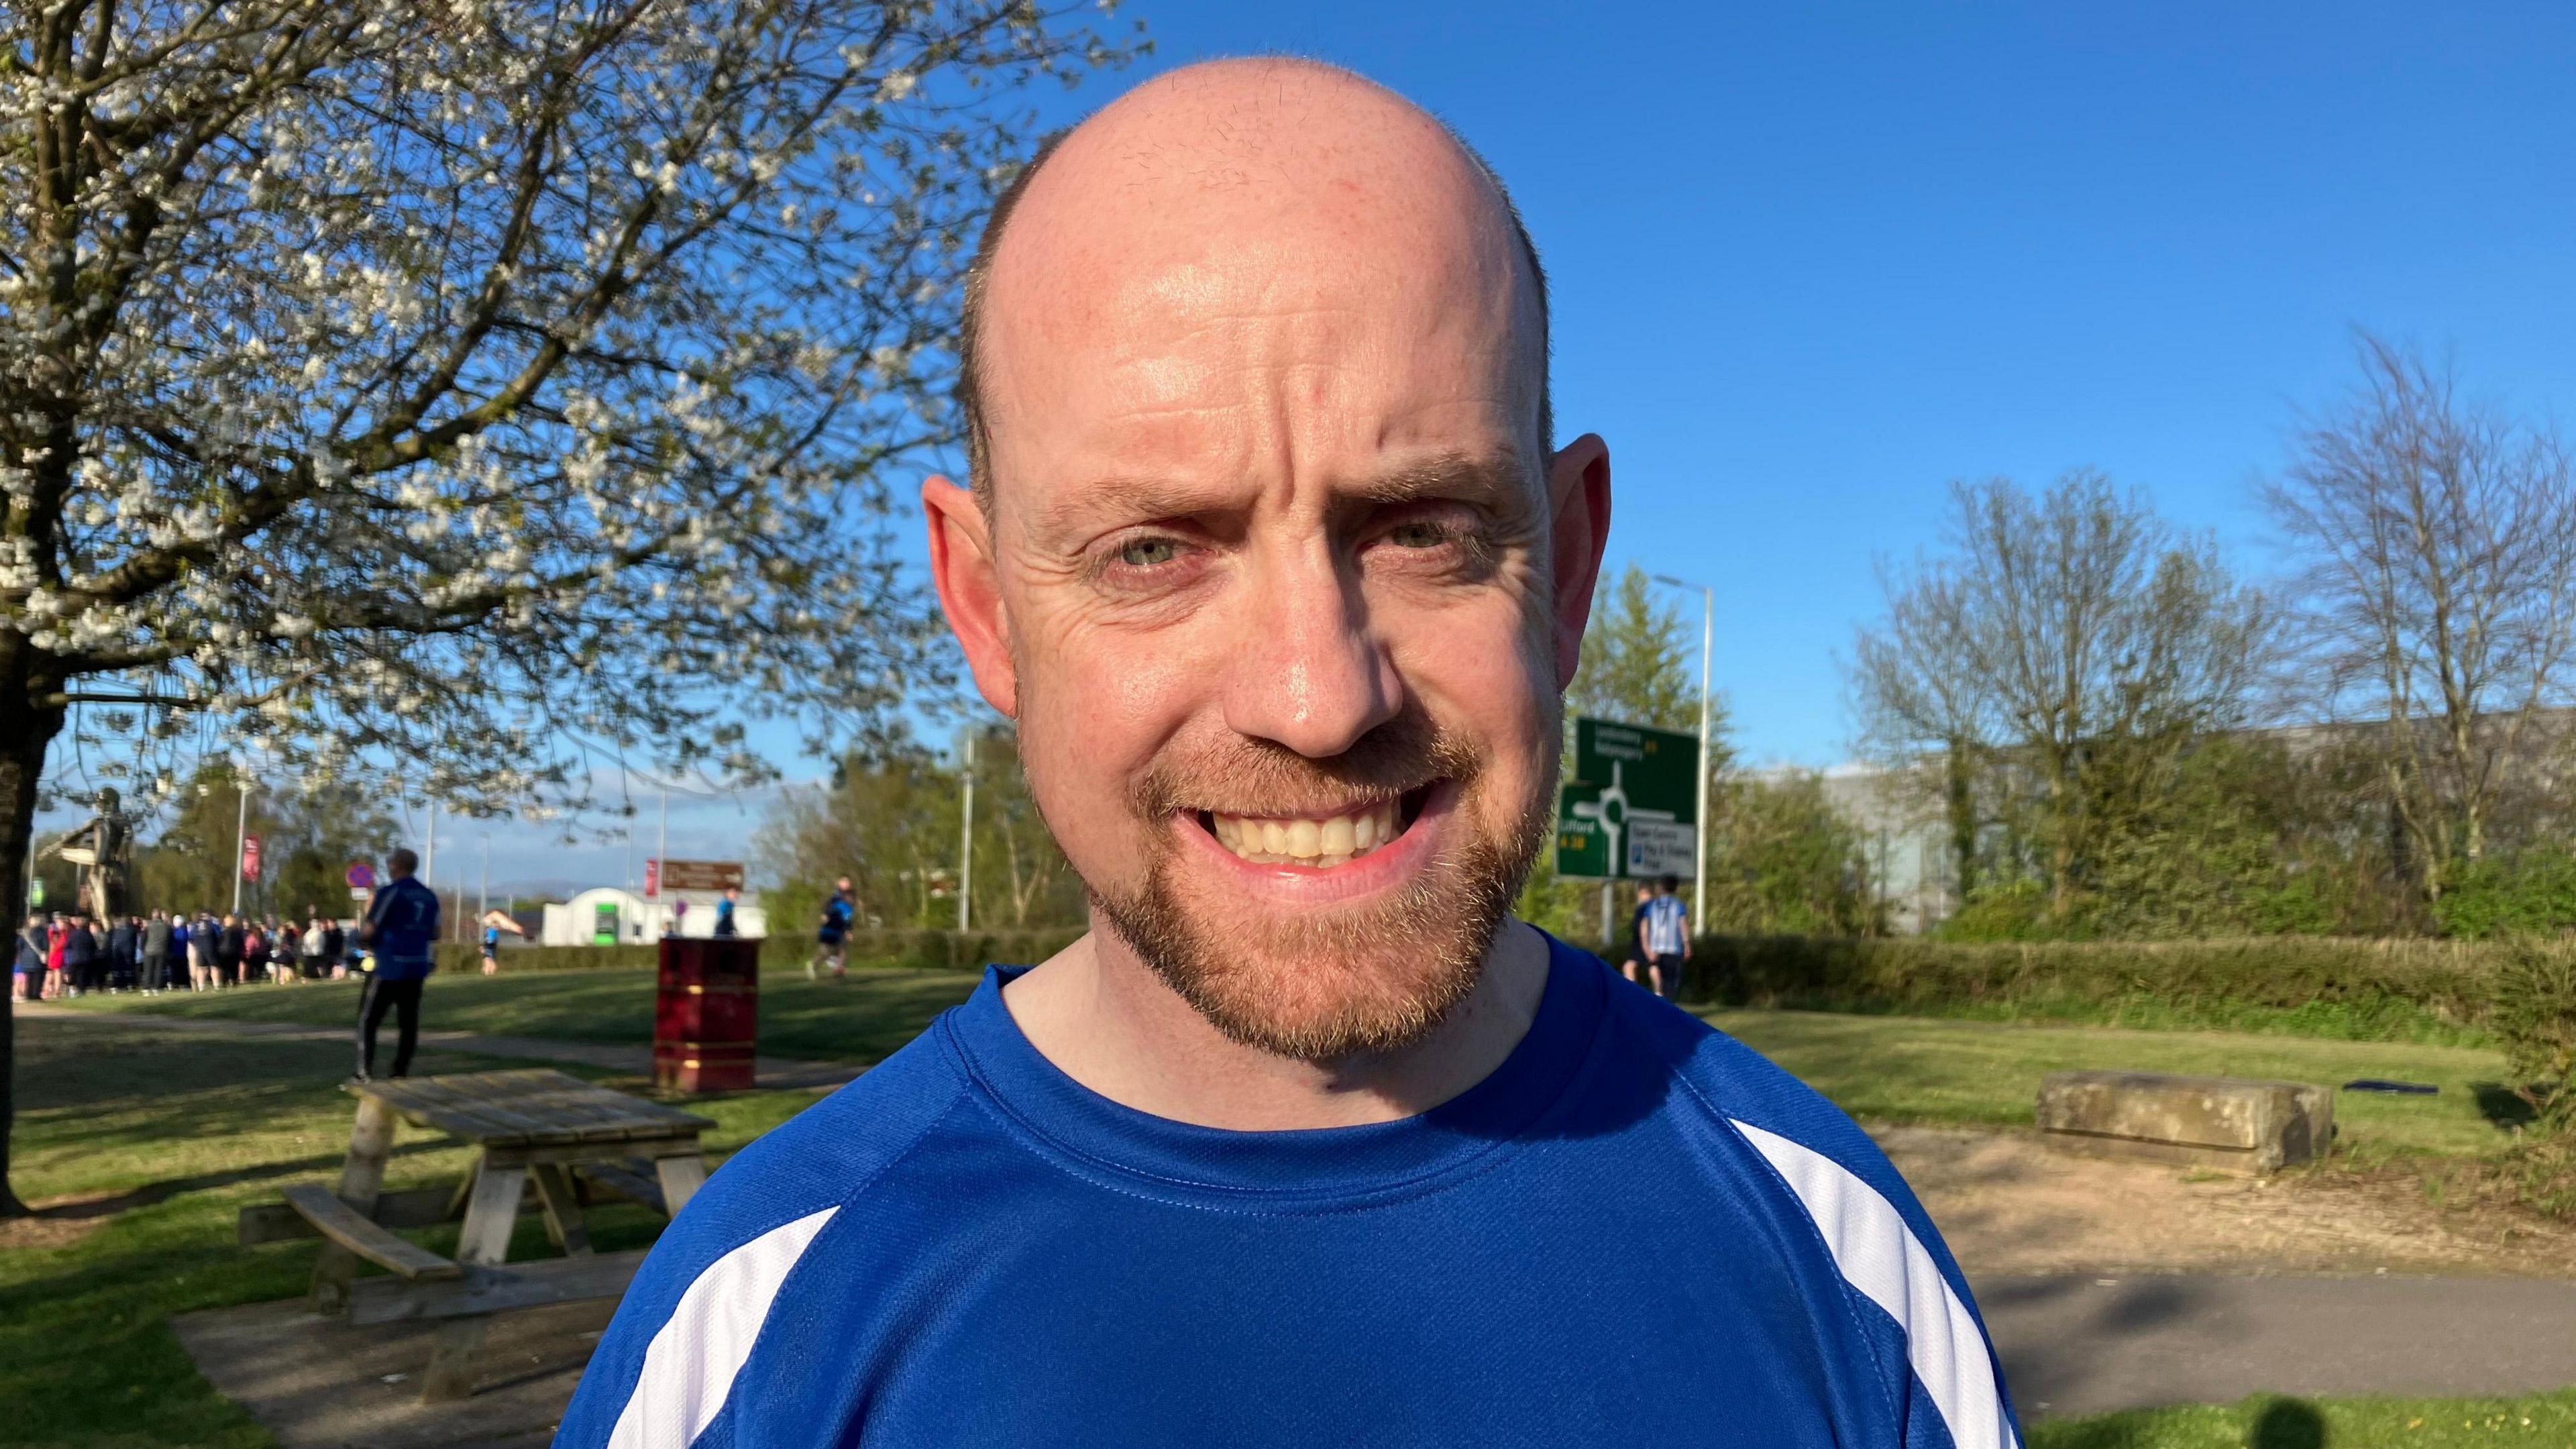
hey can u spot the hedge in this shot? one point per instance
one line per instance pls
(2368, 984)
(925, 949)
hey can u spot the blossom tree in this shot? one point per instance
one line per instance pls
(445, 391)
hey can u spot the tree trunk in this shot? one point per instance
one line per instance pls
(26, 729)
(1961, 807)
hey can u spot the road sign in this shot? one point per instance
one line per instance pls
(701, 875)
(361, 876)
(1630, 809)
(250, 857)
(361, 894)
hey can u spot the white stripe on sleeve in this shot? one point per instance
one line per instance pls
(689, 1366)
(1881, 1257)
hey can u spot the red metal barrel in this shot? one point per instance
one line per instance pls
(706, 1014)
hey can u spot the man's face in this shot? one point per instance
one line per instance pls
(1272, 551)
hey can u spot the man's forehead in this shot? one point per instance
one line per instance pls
(1214, 240)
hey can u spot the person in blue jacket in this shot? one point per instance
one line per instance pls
(1275, 556)
(400, 932)
(832, 934)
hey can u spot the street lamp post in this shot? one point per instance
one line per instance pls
(966, 838)
(241, 831)
(1707, 642)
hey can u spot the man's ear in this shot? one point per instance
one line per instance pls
(1578, 490)
(970, 589)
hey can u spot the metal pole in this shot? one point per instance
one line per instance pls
(966, 841)
(483, 894)
(1607, 939)
(1707, 641)
(662, 848)
(1707, 644)
(241, 831)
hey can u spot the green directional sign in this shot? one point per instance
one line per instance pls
(1630, 809)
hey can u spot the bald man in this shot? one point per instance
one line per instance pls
(1272, 553)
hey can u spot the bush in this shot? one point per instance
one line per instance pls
(2325, 986)
(2530, 894)
(2535, 1020)
(923, 949)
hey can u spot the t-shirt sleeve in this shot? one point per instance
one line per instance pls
(1898, 1275)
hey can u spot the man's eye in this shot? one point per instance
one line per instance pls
(1146, 553)
(1417, 534)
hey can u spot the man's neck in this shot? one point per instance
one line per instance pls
(1106, 1020)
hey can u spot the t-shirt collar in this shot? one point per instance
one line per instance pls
(1308, 1169)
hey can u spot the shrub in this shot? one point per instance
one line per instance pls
(2530, 894)
(2333, 986)
(2534, 1018)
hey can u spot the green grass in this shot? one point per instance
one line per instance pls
(863, 1019)
(191, 1130)
(2377, 1018)
(195, 1128)
(2268, 1422)
(1899, 1069)
(1893, 1069)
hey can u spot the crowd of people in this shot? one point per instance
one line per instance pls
(68, 955)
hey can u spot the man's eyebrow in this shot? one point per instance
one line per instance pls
(1491, 479)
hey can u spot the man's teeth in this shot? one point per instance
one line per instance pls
(1324, 842)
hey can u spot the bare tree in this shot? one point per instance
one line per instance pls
(2060, 655)
(1923, 705)
(446, 390)
(2437, 591)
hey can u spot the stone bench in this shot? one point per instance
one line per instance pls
(2235, 1124)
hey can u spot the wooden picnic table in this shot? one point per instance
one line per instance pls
(535, 1126)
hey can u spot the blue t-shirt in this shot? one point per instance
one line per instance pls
(405, 917)
(1634, 1231)
(1664, 924)
(837, 915)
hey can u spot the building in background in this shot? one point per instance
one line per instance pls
(608, 916)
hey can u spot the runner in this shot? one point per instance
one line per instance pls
(495, 923)
(831, 938)
(1663, 931)
(1632, 961)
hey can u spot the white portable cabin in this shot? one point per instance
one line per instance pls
(606, 915)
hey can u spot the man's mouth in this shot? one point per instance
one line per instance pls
(1318, 842)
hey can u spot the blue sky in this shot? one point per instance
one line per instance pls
(1814, 262)
(1811, 263)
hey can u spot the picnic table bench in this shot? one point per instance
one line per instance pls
(537, 1129)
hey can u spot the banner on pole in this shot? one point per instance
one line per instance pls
(652, 878)
(250, 857)
(699, 875)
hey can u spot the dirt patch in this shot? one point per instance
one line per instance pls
(2010, 1204)
(45, 1232)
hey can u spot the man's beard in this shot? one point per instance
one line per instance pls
(1339, 981)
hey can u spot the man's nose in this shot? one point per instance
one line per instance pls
(1307, 672)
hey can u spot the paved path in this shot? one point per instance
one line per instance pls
(2079, 1345)
(779, 1073)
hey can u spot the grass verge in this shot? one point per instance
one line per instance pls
(2270, 1422)
(861, 1019)
(1917, 1070)
(1894, 1069)
(139, 1150)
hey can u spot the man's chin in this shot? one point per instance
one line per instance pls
(1329, 984)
